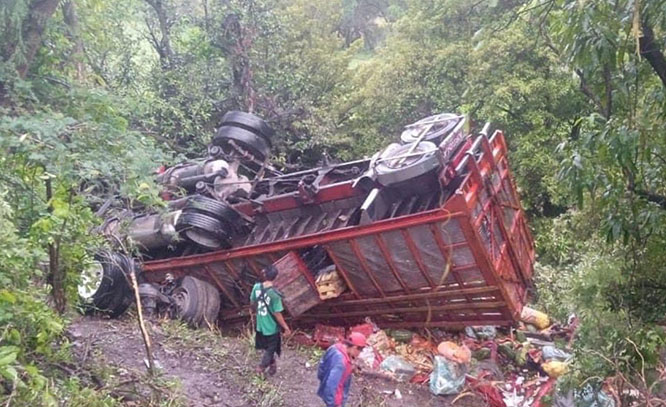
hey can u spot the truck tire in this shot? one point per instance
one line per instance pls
(255, 144)
(250, 122)
(197, 302)
(212, 304)
(203, 230)
(391, 172)
(211, 207)
(104, 288)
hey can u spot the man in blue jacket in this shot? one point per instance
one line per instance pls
(335, 370)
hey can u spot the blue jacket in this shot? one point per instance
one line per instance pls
(334, 376)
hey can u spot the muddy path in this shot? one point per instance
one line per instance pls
(206, 368)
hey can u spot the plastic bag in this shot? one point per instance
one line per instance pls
(398, 367)
(481, 332)
(590, 397)
(552, 353)
(534, 317)
(447, 377)
(369, 359)
(555, 368)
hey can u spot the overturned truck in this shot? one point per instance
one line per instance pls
(429, 232)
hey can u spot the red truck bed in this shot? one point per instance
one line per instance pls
(463, 260)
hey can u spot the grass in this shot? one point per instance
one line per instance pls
(263, 393)
(133, 386)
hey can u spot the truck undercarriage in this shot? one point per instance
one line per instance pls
(428, 232)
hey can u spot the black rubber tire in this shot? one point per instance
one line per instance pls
(250, 122)
(114, 294)
(203, 230)
(256, 145)
(197, 302)
(212, 308)
(211, 207)
(201, 221)
(189, 300)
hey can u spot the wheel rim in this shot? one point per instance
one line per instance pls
(91, 279)
(182, 298)
(203, 238)
(448, 121)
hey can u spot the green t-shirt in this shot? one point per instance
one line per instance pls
(266, 324)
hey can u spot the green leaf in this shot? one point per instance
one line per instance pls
(7, 296)
(9, 373)
(8, 355)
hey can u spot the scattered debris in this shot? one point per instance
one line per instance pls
(481, 332)
(590, 396)
(400, 335)
(551, 352)
(454, 352)
(369, 359)
(397, 394)
(398, 368)
(534, 317)
(330, 284)
(324, 335)
(447, 377)
(506, 367)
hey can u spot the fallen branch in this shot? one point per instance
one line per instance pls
(142, 326)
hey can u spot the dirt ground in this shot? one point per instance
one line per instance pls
(206, 368)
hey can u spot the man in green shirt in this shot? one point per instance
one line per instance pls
(269, 307)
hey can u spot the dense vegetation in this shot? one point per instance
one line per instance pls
(95, 94)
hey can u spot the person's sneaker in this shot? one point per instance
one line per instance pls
(272, 369)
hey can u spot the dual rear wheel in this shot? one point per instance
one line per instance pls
(105, 289)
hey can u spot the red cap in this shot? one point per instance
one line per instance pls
(357, 339)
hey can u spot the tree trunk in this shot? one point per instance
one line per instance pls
(650, 50)
(71, 18)
(55, 277)
(33, 29)
(162, 44)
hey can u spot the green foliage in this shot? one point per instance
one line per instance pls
(618, 301)
(30, 330)
(132, 85)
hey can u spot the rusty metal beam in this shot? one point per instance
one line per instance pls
(221, 286)
(364, 265)
(306, 272)
(379, 240)
(342, 271)
(444, 324)
(486, 266)
(273, 257)
(429, 294)
(437, 235)
(303, 241)
(236, 277)
(410, 310)
(417, 257)
(254, 268)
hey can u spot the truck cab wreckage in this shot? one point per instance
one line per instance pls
(428, 232)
